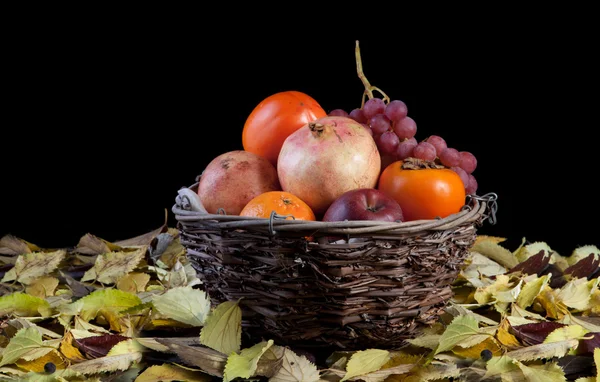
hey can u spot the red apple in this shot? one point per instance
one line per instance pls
(364, 204)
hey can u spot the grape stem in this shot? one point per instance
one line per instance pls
(369, 89)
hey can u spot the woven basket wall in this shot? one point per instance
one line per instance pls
(377, 285)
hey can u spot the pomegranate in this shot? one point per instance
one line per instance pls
(327, 157)
(234, 178)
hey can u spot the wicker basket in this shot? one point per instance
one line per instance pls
(377, 285)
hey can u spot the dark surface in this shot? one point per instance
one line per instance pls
(101, 127)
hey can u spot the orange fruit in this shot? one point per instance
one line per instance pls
(283, 203)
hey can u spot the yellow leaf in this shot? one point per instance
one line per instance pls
(570, 332)
(526, 251)
(495, 252)
(107, 364)
(597, 360)
(543, 351)
(134, 282)
(24, 305)
(69, 351)
(475, 351)
(594, 304)
(170, 373)
(548, 372)
(109, 267)
(460, 329)
(222, 330)
(42, 287)
(31, 266)
(365, 361)
(37, 365)
(506, 338)
(583, 252)
(481, 265)
(126, 347)
(531, 290)
(165, 323)
(577, 293)
(551, 304)
(493, 239)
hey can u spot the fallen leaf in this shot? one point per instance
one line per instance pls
(526, 251)
(209, 360)
(495, 252)
(42, 287)
(551, 303)
(581, 253)
(26, 344)
(244, 364)
(460, 328)
(576, 294)
(127, 346)
(543, 351)
(93, 245)
(429, 341)
(98, 346)
(24, 305)
(585, 267)
(570, 319)
(474, 351)
(493, 239)
(170, 373)
(588, 344)
(533, 334)
(78, 289)
(14, 246)
(222, 330)
(568, 332)
(106, 364)
(365, 361)
(109, 267)
(133, 282)
(37, 365)
(506, 338)
(536, 264)
(184, 304)
(68, 350)
(146, 238)
(548, 372)
(30, 266)
(295, 368)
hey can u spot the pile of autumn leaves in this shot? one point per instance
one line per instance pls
(100, 311)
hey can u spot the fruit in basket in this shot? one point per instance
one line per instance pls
(327, 157)
(234, 178)
(275, 118)
(283, 203)
(423, 189)
(364, 204)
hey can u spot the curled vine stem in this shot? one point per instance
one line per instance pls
(369, 89)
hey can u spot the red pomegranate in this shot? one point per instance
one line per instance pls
(327, 157)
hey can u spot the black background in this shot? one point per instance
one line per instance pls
(102, 126)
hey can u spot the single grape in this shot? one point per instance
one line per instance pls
(405, 128)
(468, 161)
(486, 355)
(380, 123)
(438, 142)
(49, 367)
(424, 151)
(388, 142)
(358, 115)
(462, 173)
(368, 128)
(405, 148)
(373, 106)
(396, 110)
(413, 140)
(450, 157)
(472, 186)
(338, 113)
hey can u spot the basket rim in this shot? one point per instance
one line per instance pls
(475, 209)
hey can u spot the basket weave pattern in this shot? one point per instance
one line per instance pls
(346, 284)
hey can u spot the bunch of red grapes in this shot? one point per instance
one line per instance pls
(394, 132)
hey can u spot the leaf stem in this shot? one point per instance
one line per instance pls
(368, 87)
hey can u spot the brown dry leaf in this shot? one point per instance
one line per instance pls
(42, 287)
(134, 282)
(93, 245)
(14, 246)
(146, 238)
(209, 360)
(37, 365)
(506, 338)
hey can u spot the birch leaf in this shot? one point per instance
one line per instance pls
(93, 245)
(171, 373)
(30, 266)
(24, 305)
(133, 282)
(222, 330)
(109, 267)
(107, 364)
(14, 246)
(42, 287)
(496, 252)
(185, 304)
(461, 328)
(26, 344)
(531, 290)
(549, 372)
(576, 293)
(543, 351)
(295, 368)
(365, 361)
(244, 364)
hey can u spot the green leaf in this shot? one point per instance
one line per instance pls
(26, 344)
(110, 266)
(185, 304)
(499, 365)
(24, 305)
(296, 368)
(169, 373)
(429, 341)
(366, 361)
(126, 347)
(531, 290)
(222, 330)
(30, 266)
(461, 328)
(549, 372)
(244, 365)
